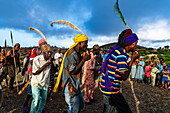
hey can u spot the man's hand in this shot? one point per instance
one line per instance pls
(86, 57)
(135, 55)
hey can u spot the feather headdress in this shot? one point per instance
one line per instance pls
(116, 9)
(66, 23)
(38, 31)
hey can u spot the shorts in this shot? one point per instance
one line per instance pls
(165, 79)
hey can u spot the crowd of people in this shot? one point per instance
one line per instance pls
(75, 68)
(151, 73)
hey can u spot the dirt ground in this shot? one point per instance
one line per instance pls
(152, 100)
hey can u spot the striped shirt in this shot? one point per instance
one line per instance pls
(117, 63)
(154, 71)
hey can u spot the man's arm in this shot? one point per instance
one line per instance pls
(79, 66)
(42, 68)
(125, 74)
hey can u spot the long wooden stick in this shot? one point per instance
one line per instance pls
(6, 70)
(136, 100)
(16, 77)
(133, 92)
(25, 86)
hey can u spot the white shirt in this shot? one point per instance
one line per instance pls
(44, 77)
(57, 56)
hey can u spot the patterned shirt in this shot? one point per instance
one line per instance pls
(166, 73)
(72, 59)
(117, 63)
(154, 71)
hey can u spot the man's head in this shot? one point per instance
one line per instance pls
(140, 58)
(161, 59)
(162, 62)
(152, 58)
(17, 47)
(59, 50)
(41, 42)
(147, 63)
(154, 65)
(81, 40)
(166, 67)
(128, 39)
(2, 51)
(104, 51)
(46, 50)
(96, 49)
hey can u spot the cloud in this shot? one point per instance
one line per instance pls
(96, 18)
(154, 30)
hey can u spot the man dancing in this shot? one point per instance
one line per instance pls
(115, 69)
(71, 73)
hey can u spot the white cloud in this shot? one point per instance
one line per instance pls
(154, 30)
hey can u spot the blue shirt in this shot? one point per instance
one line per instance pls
(117, 63)
(104, 57)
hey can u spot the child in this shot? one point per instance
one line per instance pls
(148, 69)
(166, 74)
(154, 71)
(140, 69)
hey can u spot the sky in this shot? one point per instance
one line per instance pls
(149, 19)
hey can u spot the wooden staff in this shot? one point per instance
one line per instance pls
(136, 71)
(6, 70)
(25, 86)
(14, 62)
(133, 91)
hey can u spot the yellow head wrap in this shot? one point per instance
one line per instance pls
(78, 38)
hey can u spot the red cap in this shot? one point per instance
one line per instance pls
(41, 41)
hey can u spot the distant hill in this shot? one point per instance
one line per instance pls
(111, 45)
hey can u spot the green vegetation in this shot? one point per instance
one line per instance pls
(167, 57)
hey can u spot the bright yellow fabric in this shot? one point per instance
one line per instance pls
(78, 38)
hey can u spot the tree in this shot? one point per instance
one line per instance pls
(166, 47)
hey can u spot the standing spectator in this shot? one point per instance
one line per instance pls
(147, 78)
(169, 67)
(140, 69)
(58, 56)
(133, 69)
(152, 61)
(98, 60)
(159, 75)
(160, 60)
(154, 71)
(104, 55)
(11, 66)
(166, 74)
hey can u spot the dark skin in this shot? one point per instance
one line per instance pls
(10, 57)
(47, 56)
(135, 55)
(82, 46)
(166, 68)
